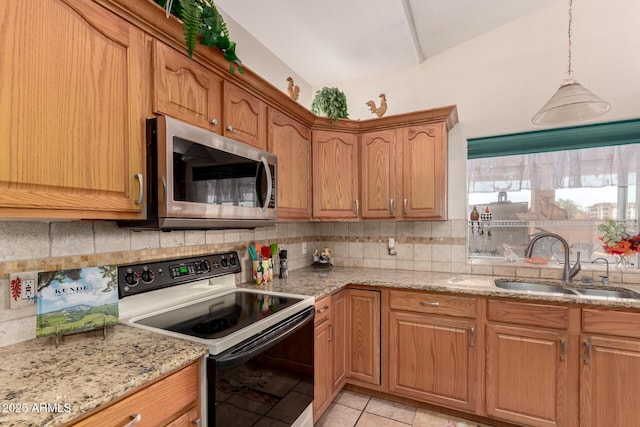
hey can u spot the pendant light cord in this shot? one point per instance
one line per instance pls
(570, 71)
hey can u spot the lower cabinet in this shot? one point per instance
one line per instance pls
(434, 357)
(329, 343)
(526, 364)
(363, 336)
(171, 401)
(610, 368)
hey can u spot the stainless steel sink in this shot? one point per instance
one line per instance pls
(607, 293)
(533, 287)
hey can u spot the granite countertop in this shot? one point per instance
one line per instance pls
(321, 282)
(52, 386)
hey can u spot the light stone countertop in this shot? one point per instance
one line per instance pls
(321, 282)
(84, 372)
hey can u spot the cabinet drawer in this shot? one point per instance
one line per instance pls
(158, 404)
(423, 302)
(323, 309)
(608, 322)
(528, 314)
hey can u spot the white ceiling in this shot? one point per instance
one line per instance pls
(333, 40)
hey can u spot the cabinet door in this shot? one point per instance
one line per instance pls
(186, 90)
(335, 175)
(363, 336)
(433, 359)
(424, 171)
(72, 103)
(609, 382)
(526, 375)
(338, 340)
(322, 369)
(245, 117)
(291, 142)
(378, 177)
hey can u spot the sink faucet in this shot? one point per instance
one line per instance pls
(568, 272)
(605, 279)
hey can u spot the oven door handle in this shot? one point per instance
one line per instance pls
(249, 349)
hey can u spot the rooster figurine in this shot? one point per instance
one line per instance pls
(293, 91)
(381, 109)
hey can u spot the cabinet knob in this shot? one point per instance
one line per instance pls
(405, 206)
(214, 122)
(357, 203)
(230, 128)
(392, 207)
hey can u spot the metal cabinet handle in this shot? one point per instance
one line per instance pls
(140, 179)
(562, 348)
(215, 123)
(230, 128)
(405, 206)
(323, 309)
(330, 332)
(357, 203)
(430, 304)
(587, 352)
(392, 207)
(472, 333)
(135, 419)
(197, 422)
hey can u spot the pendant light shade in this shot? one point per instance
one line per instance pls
(571, 102)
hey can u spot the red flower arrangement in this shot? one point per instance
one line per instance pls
(616, 241)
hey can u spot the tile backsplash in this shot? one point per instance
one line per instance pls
(422, 245)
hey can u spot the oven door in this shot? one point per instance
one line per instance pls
(203, 175)
(265, 379)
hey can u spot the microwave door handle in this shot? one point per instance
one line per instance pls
(267, 170)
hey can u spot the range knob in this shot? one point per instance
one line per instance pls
(233, 261)
(224, 262)
(131, 278)
(204, 266)
(147, 275)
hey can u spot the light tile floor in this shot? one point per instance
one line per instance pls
(350, 409)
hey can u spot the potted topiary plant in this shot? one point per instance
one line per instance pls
(330, 102)
(201, 19)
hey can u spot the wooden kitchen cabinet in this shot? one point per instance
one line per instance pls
(379, 174)
(434, 351)
(527, 364)
(330, 345)
(424, 171)
(174, 401)
(73, 100)
(322, 377)
(245, 117)
(290, 140)
(363, 336)
(186, 90)
(335, 175)
(610, 368)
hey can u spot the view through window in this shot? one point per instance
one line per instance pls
(566, 192)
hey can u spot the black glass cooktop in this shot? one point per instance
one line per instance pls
(219, 316)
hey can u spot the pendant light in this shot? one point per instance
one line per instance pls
(572, 102)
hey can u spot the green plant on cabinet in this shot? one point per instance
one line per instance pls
(330, 102)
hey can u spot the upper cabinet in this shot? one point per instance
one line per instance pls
(424, 171)
(335, 175)
(378, 174)
(186, 90)
(245, 116)
(73, 98)
(290, 140)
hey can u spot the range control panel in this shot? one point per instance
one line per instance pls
(137, 278)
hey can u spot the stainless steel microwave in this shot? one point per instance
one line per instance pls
(201, 180)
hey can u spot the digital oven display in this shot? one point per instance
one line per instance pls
(182, 270)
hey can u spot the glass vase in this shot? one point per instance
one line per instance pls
(623, 261)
